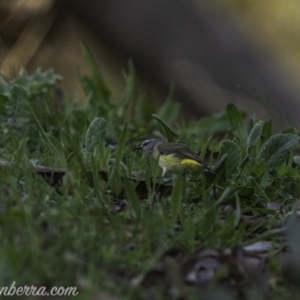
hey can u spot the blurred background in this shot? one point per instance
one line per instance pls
(216, 52)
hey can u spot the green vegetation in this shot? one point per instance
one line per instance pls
(79, 207)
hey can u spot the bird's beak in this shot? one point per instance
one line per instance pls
(137, 148)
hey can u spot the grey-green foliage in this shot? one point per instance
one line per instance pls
(275, 150)
(17, 112)
(233, 158)
(34, 84)
(22, 93)
(254, 135)
(95, 134)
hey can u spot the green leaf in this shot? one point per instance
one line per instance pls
(286, 170)
(100, 87)
(237, 214)
(297, 160)
(87, 85)
(267, 129)
(18, 114)
(204, 149)
(170, 110)
(259, 168)
(40, 80)
(220, 161)
(292, 233)
(237, 122)
(129, 95)
(254, 135)
(212, 124)
(95, 134)
(145, 111)
(227, 194)
(132, 198)
(121, 144)
(233, 158)
(170, 135)
(246, 191)
(275, 150)
(115, 182)
(266, 180)
(176, 197)
(4, 86)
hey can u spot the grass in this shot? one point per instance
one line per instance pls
(107, 221)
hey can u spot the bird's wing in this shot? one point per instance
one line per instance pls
(180, 150)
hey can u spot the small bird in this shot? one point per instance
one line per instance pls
(173, 157)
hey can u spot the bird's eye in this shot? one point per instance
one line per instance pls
(145, 143)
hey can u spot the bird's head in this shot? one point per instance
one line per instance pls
(148, 145)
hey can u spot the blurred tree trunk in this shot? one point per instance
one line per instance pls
(175, 40)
